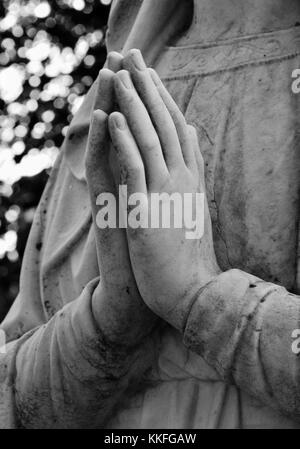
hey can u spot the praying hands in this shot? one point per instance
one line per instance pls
(139, 138)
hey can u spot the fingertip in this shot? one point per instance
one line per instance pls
(117, 120)
(133, 60)
(114, 61)
(105, 82)
(122, 78)
(114, 54)
(99, 116)
(134, 51)
(106, 73)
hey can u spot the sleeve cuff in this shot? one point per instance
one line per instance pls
(220, 314)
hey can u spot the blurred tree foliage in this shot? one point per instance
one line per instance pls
(50, 54)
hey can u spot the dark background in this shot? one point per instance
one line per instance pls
(74, 30)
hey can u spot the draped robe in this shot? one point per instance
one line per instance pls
(234, 365)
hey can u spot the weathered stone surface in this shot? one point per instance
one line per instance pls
(230, 73)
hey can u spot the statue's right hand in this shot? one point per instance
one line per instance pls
(117, 305)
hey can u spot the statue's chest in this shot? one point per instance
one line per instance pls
(248, 128)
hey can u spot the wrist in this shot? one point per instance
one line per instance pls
(178, 316)
(124, 327)
(215, 316)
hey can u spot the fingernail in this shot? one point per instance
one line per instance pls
(124, 77)
(138, 60)
(118, 121)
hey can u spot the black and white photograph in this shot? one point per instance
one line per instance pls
(150, 217)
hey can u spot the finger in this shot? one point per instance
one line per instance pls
(131, 164)
(156, 108)
(141, 127)
(114, 61)
(104, 93)
(97, 156)
(105, 101)
(199, 162)
(111, 244)
(96, 164)
(178, 118)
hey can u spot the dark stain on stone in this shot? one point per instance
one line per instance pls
(47, 305)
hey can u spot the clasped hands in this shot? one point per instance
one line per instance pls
(139, 138)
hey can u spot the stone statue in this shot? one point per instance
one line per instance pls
(144, 328)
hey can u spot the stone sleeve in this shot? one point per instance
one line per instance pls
(64, 374)
(245, 328)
